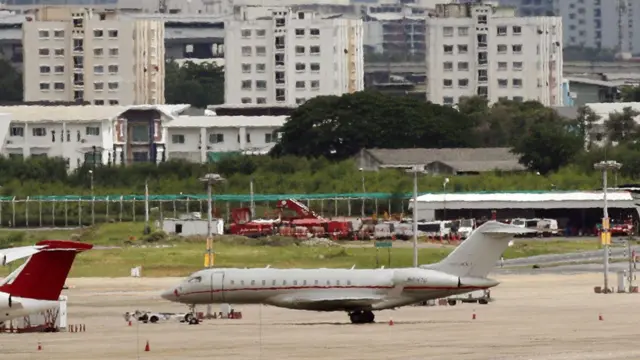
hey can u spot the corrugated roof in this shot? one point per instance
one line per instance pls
(31, 113)
(227, 121)
(461, 159)
(595, 81)
(527, 196)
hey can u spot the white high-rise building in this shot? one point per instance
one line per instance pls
(85, 55)
(281, 57)
(485, 50)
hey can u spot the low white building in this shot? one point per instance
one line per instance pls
(80, 133)
(206, 138)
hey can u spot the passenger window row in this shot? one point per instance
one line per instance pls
(295, 283)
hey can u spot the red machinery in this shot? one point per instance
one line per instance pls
(314, 223)
(243, 225)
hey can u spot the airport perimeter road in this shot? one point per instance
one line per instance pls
(543, 317)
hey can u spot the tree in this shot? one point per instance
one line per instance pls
(337, 127)
(11, 87)
(196, 84)
(585, 122)
(621, 126)
(630, 93)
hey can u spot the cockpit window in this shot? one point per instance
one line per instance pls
(195, 279)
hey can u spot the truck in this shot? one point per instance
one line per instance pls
(479, 296)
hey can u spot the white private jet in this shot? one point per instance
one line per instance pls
(358, 292)
(36, 285)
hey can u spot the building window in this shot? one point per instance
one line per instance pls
(246, 100)
(517, 30)
(98, 69)
(17, 131)
(463, 66)
(177, 139)
(315, 67)
(58, 52)
(113, 33)
(517, 83)
(315, 84)
(300, 84)
(463, 49)
(113, 85)
(503, 83)
(98, 33)
(43, 34)
(114, 102)
(58, 86)
(299, 50)
(92, 130)
(300, 101)
(246, 33)
(261, 51)
(300, 67)
(299, 32)
(113, 52)
(518, 99)
(140, 133)
(245, 85)
(261, 33)
(248, 138)
(261, 85)
(448, 49)
(314, 50)
(246, 68)
(216, 138)
(58, 34)
(98, 102)
(447, 31)
(113, 69)
(93, 158)
(98, 86)
(502, 49)
(98, 52)
(517, 65)
(261, 100)
(246, 51)
(463, 83)
(502, 66)
(270, 137)
(447, 66)
(39, 131)
(140, 156)
(447, 82)
(45, 86)
(502, 30)
(517, 49)
(43, 52)
(260, 68)
(447, 100)
(45, 69)
(58, 69)
(314, 32)
(463, 31)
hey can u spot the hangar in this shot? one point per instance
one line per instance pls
(582, 209)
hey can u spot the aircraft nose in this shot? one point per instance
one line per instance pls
(169, 295)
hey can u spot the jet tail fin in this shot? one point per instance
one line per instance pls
(43, 274)
(477, 255)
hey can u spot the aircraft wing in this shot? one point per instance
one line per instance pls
(326, 301)
(13, 254)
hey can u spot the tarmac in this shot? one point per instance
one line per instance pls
(537, 317)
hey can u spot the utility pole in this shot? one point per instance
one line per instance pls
(415, 215)
(209, 180)
(147, 227)
(364, 191)
(605, 236)
(93, 200)
(253, 204)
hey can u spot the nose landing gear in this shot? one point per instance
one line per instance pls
(361, 317)
(191, 318)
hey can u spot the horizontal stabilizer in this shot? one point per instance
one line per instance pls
(13, 254)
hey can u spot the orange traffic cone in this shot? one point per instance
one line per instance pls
(39, 346)
(600, 317)
(390, 322)
(146, 347)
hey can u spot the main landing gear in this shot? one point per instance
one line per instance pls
(361, 317)
(191, 318)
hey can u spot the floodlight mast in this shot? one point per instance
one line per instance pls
(605, 234)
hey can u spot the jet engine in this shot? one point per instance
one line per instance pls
(5, 301)
(424, 277)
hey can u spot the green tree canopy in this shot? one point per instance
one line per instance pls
(11, 88)
(196, 84)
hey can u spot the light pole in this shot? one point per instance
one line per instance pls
(93, 200)
(364, 191)
(415, 169)
(444, 199)
(209, 180)
(253, 205)
(605, 236)
(147, 227)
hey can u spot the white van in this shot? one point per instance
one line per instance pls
(548, 227)
(466, 227)
(435, 228)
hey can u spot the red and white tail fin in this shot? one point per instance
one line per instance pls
(43, 275)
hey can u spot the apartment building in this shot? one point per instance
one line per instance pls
(395, 37)
(278, 56)
(207, 138)
(85, 55)
(532, 7)
(485, 50)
